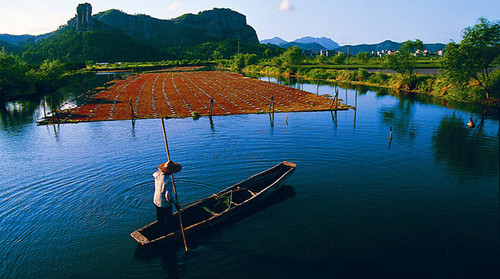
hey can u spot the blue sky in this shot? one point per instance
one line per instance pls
(346, 21)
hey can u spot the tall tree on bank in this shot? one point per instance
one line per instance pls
(405, 62)
(292, 59)
(476, 57)
(13, 78)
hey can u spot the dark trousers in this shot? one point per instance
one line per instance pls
(164, 216)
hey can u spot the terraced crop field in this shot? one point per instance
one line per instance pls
(184, 94)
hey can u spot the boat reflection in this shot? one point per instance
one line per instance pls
(167, 250)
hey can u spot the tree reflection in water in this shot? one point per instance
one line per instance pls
(401, 117)
(466, 152)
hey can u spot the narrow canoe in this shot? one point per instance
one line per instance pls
(230, 202)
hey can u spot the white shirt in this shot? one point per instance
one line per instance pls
(163, 190)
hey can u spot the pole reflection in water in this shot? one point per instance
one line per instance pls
(334, 118)
(211, 123)
(390, 138)
(355, 105)
(133, 129)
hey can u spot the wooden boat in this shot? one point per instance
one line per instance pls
(233, 201)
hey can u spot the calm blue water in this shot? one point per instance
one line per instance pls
(427, 207)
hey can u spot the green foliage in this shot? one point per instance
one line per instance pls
(363, 57)
(339, 59)
(379, 78)
(321, 59)
(411, 46)
(17, 78)
(362, 75)
(319, 74)
(292, 59)
(69, 45)
(242, 60)
(476, 57)
(239, 61)
(405, 63)
(13, 78)
(49, 74)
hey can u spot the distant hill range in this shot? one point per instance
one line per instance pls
(306, 43)
(385, 45)
(108, 33)
(317, 44)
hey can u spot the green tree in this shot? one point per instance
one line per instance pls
(13, 79)
(363, 57)
(476, 57)
(339, 58)
(321, 59)
(49, 74)
(405, 62)
(251, 59)
(292, 58)
(319, 75)
(239, 61)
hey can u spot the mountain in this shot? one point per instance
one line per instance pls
(327, 43)
(304, 46)
(355, 49)
(385, 45)
(18, 40)
(15, 39)
(274, 41)
(8, 47)
(306, 43)
(116, 36)
(212, 25)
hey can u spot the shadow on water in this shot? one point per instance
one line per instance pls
(466, 151)
(17, 113)
(23, 111)
(401, 117)
(167, 252)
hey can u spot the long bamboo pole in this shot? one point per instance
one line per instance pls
(173, 185)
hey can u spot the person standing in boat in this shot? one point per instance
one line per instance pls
(164, 195)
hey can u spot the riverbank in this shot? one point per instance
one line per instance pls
(428, 84)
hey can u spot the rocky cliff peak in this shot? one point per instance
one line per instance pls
(213, 25)
(84, 20)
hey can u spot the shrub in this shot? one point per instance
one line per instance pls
(362, 74)
(378, 78)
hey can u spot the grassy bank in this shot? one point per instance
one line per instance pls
(433, 85)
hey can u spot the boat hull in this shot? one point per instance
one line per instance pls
(234, 202)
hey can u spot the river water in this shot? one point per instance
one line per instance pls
(422, 205)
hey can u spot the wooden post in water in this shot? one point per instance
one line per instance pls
(336, 98)
(356, 99)
(210, 110)
(54, 112)
(132, 114)
(271, 104)
(44, 109)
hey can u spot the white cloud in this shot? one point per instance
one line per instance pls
(286, 6)
(173, 6)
